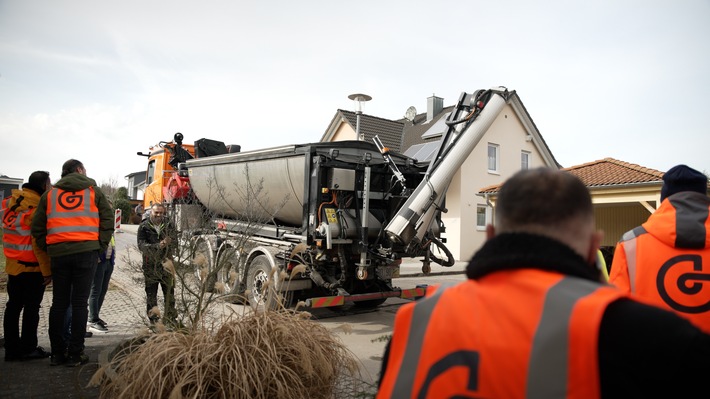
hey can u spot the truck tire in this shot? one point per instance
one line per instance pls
(371, 304)
(203, 263)
(229, 273)
(262, 296)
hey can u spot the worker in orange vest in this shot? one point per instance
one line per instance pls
(28, 270)
(73, 221)
(533, 320)
(666, 261)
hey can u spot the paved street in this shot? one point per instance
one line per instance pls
(364, 333)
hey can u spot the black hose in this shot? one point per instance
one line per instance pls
(449, 257)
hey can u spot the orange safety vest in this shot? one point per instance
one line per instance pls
(72, 216)
(16, 239)
(511, 334)
(666, 261)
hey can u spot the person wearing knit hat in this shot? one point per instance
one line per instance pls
(683, 178)
(28, 269)
(667, 259)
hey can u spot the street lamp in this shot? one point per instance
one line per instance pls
(359, 100)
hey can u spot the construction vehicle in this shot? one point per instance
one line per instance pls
(324, 224)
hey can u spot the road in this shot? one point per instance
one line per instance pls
(364, 332)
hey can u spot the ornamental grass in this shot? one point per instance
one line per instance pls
(273, 354)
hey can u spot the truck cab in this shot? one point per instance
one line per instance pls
(163, 182)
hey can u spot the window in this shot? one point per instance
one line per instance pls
(151, 171)
(524, 160)
(480, 217)
(493, 150)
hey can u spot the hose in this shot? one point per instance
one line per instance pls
(449, 257)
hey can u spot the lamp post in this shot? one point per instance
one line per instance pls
(359, 100)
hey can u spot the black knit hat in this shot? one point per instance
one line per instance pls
(683, 178)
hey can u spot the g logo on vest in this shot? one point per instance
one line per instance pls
(688, 283)
(70, 200)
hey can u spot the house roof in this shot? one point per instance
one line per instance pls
(138, 177)
(612, 172)
(389, 131)
(421, 136)
(415, 129)
(606, 172)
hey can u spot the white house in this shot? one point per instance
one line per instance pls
(512, 143)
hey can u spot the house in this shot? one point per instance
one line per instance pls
(513, 142)
(624, 195)
(136, 185)
(7, 184)
(344, 125)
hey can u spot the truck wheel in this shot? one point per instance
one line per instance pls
(203, 263)
(229, 273)
(263, 296)
(373, 303)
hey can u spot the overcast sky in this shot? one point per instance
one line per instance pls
(100, 81)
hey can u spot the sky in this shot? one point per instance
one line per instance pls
(100, 81)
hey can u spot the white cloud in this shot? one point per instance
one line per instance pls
(101, 81)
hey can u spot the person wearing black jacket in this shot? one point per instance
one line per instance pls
(157, 240)
(544, 229)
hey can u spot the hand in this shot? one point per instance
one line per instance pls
(47, 280)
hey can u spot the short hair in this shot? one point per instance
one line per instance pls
(71, 166)
(37, 181)
(158, 204)
(38, 178)
(542, 197)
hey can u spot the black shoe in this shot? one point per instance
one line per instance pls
(58, 359)
(12, 357)
(88, 334)
(77, 359)
(38, 353)
(97, 328)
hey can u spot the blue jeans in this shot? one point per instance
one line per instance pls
(99, 288)
(71, 280)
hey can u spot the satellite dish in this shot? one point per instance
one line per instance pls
(410, 114)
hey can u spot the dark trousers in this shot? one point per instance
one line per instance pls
(71, 280)
(155, 276)
(102, 277)
(25, 292)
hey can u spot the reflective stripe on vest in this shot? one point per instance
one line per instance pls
(17, 240)
(72, 216)
(629, 239)
(563, 358)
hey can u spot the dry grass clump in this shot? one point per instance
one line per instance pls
(260, 355)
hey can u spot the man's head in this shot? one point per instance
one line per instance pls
(683, 178)
(38, 182)
(548, 202)
(73, 166)
(157, 213)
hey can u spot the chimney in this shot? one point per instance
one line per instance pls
(434, 105)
